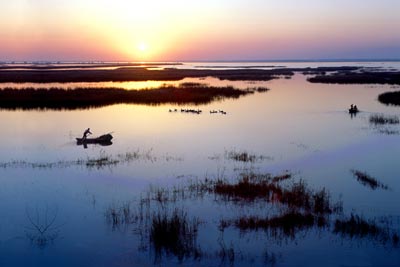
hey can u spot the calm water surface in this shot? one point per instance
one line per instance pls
(297, 126)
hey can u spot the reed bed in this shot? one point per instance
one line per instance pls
(82, 98)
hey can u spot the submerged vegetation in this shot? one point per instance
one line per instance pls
(368, 180)
(81, 98)
(384, 124)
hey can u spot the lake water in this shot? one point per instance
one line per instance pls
(56, 205)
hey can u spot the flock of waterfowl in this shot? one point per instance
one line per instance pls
(352, 110)
(197, 111)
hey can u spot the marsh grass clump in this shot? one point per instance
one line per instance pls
(381, 119)
(321, 200)
(367, 180)
(297, 195)
(358, 227)
(102, 161)
(174, 234)
(244, 156)
(248, 188)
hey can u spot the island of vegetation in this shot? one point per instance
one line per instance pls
(81, 98)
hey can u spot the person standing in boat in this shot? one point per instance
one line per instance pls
(86, 133)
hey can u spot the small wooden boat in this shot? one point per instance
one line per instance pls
(104, 139)
(353, 110)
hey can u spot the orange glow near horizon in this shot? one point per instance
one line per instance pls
(174, 30)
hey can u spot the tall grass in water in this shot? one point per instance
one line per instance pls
(81, 98)
(251, 187)
(244, 156)
(168, 233)
(381, 119)
(174, 234)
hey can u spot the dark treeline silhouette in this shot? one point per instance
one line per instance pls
(365, 77)
(82, 98)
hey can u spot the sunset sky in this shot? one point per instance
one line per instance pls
(187, 30)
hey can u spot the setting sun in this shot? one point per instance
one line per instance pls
(142, 47)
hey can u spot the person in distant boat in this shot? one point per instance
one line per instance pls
(86, 133)
(351, 107)
(355, 108)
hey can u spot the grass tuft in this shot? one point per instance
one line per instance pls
(174, 234)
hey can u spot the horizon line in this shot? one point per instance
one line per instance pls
(210, 61)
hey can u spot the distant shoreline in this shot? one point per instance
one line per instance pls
(125, 74)
(77, 65)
